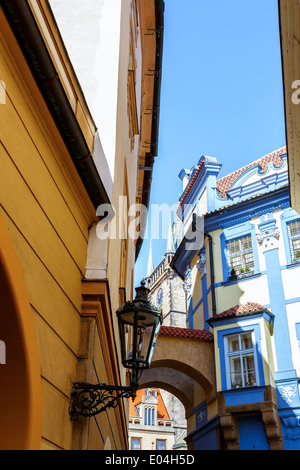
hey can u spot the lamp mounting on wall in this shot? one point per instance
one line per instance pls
(139, 324)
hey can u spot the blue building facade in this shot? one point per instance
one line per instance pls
(240, 258)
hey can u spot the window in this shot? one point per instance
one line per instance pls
(160, 444)
(240, 256)
(149, 416)
(241, 370)
(294, 240)
(239, 251)
(135, 443)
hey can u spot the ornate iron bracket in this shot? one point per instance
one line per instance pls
(88, 400)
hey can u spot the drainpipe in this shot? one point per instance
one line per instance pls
(212, 273)
(26, 31)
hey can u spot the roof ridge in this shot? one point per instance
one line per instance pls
(280, 151)
(224, 183)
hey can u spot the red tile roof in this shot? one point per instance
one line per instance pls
(185, 333)
(249, 307)
(225, 183)
(162, 412)
(190, 184)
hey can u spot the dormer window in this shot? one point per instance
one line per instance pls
(149, 416)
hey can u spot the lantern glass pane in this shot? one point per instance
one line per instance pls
(144, 347)
(124, 337)
(129, 354)
(156, 332)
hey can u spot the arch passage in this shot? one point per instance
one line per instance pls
(20, 381)
(180, 362)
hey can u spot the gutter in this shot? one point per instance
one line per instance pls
(26, 31)
(284, 88)
(150, 157)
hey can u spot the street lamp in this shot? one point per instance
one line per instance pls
(139, 323)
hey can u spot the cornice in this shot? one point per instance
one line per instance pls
(245, 210)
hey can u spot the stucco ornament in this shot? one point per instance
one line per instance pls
(291, 427)
(288, 392)
(187, 286)
(150, 399)
(268, 239)
(201, 264)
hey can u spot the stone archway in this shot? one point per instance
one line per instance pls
(183, 357)
(20, 381)
(168, 379)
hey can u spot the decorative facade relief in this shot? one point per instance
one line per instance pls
(288, 393)
(188, 282)
(269, 239)
(201, 264)
(291, 427)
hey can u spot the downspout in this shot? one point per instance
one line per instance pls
(212, 273)
(22, 22)
(150, 157)
(211, 263)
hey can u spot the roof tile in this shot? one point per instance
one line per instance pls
(185, 333)
(225, 183)
(249, 307)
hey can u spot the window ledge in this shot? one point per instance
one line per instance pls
(244, 395)
(239, 278)
(294, 264)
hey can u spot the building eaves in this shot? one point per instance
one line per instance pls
(249, 199)
(150, 157)
(32, 44)
(250, 308)
(190, 184)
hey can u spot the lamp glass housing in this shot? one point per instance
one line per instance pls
(139, 325)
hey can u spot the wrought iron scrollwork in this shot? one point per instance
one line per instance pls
(88, 400)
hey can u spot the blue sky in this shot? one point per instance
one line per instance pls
(221, 93)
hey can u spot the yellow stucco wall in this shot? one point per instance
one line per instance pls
(49, 228)
(45, 211)
(48, 214)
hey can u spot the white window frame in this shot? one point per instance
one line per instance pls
(136, 439)
(240, 353)
(292, 238)
(242, 254)
(149, 415)
(161, 440)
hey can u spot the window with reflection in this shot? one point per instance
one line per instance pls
(240, 353)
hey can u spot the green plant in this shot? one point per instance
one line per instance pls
(297, 254)
(242, 270)
(232, 272)
(247, 269)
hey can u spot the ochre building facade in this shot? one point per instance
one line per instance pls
(60, 284)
